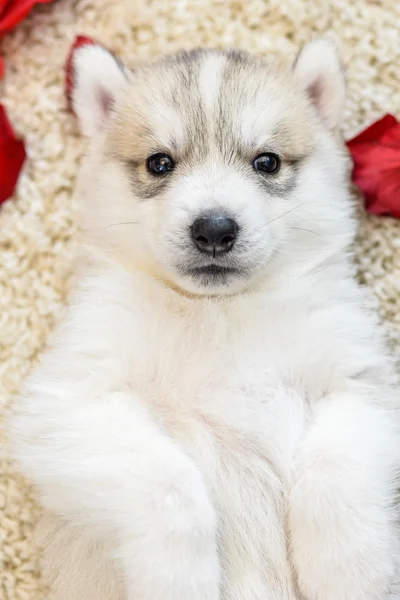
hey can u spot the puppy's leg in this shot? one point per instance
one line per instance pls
(341, 512)
(100, 461)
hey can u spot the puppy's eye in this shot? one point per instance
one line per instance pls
(267, 163)
(160, 164)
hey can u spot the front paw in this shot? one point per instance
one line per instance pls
(177, 558)
(340, 550)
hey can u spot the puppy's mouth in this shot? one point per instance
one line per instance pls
(213, 274)
(213, 270)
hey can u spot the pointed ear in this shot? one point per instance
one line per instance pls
(96, 79)
(319, 71)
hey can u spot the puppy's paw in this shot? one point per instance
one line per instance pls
(339, 551)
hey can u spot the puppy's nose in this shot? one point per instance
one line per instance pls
(214, 233)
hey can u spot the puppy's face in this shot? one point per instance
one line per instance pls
(212, 170)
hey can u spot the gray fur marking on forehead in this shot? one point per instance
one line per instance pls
(202, 95)
(203, 109)
(180, 75)
(210, 89)
(185, 97)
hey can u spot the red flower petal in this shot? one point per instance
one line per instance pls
(80, 41)
(374, 131)
(6, 131)
(376, 158)
(12, 157)
(391, 137)
(3, 6)
(388, 196)
(14, 11)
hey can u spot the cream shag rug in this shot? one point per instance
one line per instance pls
(37, 226)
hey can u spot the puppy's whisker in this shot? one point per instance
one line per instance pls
(307, 230)
(122, 223)
(284, 214)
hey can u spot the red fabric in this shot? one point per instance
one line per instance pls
(80, 41)
(14, 11)
(12, 157)
(376, 171)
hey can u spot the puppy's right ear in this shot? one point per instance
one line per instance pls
(95, 80)
(319, 71)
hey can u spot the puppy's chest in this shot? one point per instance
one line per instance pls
(233, 413)
(241, 425)
(231, 407)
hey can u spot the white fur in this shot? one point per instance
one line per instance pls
(237, 441)
(210, 79)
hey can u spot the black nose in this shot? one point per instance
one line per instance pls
(214, 234)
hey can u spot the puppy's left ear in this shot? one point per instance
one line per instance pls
(319, 71)
(96, 78)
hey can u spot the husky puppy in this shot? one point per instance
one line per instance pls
(214, 419)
